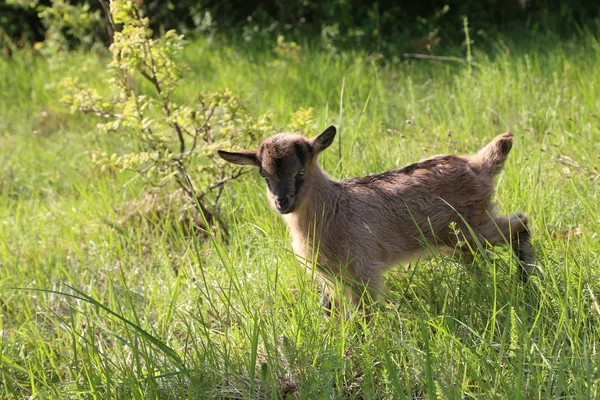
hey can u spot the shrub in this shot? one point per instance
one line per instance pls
(177, 142)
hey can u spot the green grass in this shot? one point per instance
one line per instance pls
(88, 311)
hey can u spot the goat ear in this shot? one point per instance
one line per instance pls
(244, 157)
(324, 139)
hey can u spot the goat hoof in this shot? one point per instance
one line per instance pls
(527, 270)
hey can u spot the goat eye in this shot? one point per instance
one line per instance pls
(302, 172)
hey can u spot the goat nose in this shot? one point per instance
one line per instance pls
(283, 202)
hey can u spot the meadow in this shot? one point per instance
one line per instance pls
(94, 310)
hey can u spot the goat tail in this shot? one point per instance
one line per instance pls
(491, 158)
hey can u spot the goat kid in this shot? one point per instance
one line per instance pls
(360, 227)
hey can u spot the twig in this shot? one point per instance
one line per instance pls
(207, 119)
(437, 58)
(223, 181)
(220, 190)
(188, 187)
(99, 113)
(110, 27)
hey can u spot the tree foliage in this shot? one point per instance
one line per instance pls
(382, 25)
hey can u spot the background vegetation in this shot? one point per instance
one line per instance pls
(386, 26)
(100, 299)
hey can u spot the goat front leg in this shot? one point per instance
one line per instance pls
(361, 284)
(331, 302)
(367, 282)
(327, 302)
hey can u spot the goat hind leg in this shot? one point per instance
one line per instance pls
(514, 231)
(523, 248)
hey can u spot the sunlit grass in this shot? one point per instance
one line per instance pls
(153, 313)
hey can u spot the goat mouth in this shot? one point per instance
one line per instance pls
(286, 210)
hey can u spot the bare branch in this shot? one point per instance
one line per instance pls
(223, 181)
(98, 112)
(156, 83)
(110, 27)
(437, 58)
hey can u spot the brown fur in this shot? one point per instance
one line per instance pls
(363, 226)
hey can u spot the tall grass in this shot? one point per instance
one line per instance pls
(89, 310)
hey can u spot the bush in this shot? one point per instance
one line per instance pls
(177, 142)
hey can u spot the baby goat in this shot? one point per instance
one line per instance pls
(359, 227)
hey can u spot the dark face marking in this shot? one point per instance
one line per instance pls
(301, 152)
(283, 161)
(280, 165)
(298, 183)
